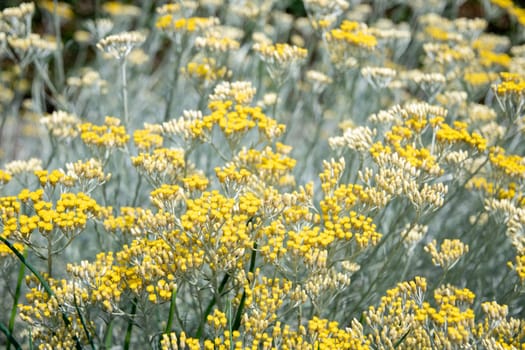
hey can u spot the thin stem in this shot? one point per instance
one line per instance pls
(238, 316)
(21, 273)
(127, 340)
(49, 256)
(58, 38)
(211, 304)
(83, 321)
(58, 100)
(137, 191)
(124, 90)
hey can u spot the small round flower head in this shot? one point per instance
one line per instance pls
(120, 45)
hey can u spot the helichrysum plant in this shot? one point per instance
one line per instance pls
(258, 175)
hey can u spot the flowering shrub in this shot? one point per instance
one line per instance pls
(224, 175)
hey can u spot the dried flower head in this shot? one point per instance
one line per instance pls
(119, 46)
(61, 125)
(378, 77)
(17, 167)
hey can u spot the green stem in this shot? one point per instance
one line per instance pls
(238, 315)
(49, 256)
(83, 322)
(108, 338)
(211, 304)
(173, 306)
(127, 340)
(16, 297)
(10, 337)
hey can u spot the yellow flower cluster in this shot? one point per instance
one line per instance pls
(246, 258)
(167, 197)
(139, 222)
(118, 9)
(62, 9)
(480, 78)
(70, 215)
(280, 53)
(511, 166)
(142, 268)
(147, 139)
(206, 72)
(489, 58)
(405, 321)
(164, 165)
(45, 313)
(87, 175)
(512, 9)
(219, 225)
(459, 134)
(353, 33)
(274, 168)
(54, 178)
(195, 182)
(229, 174)
(108, 136)
(5, 177)
(414, 123)
(230, 110)
(349, 44)
(448, 254)
(5, 251)
(169, 24)
(263, 300)
(519, 266)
